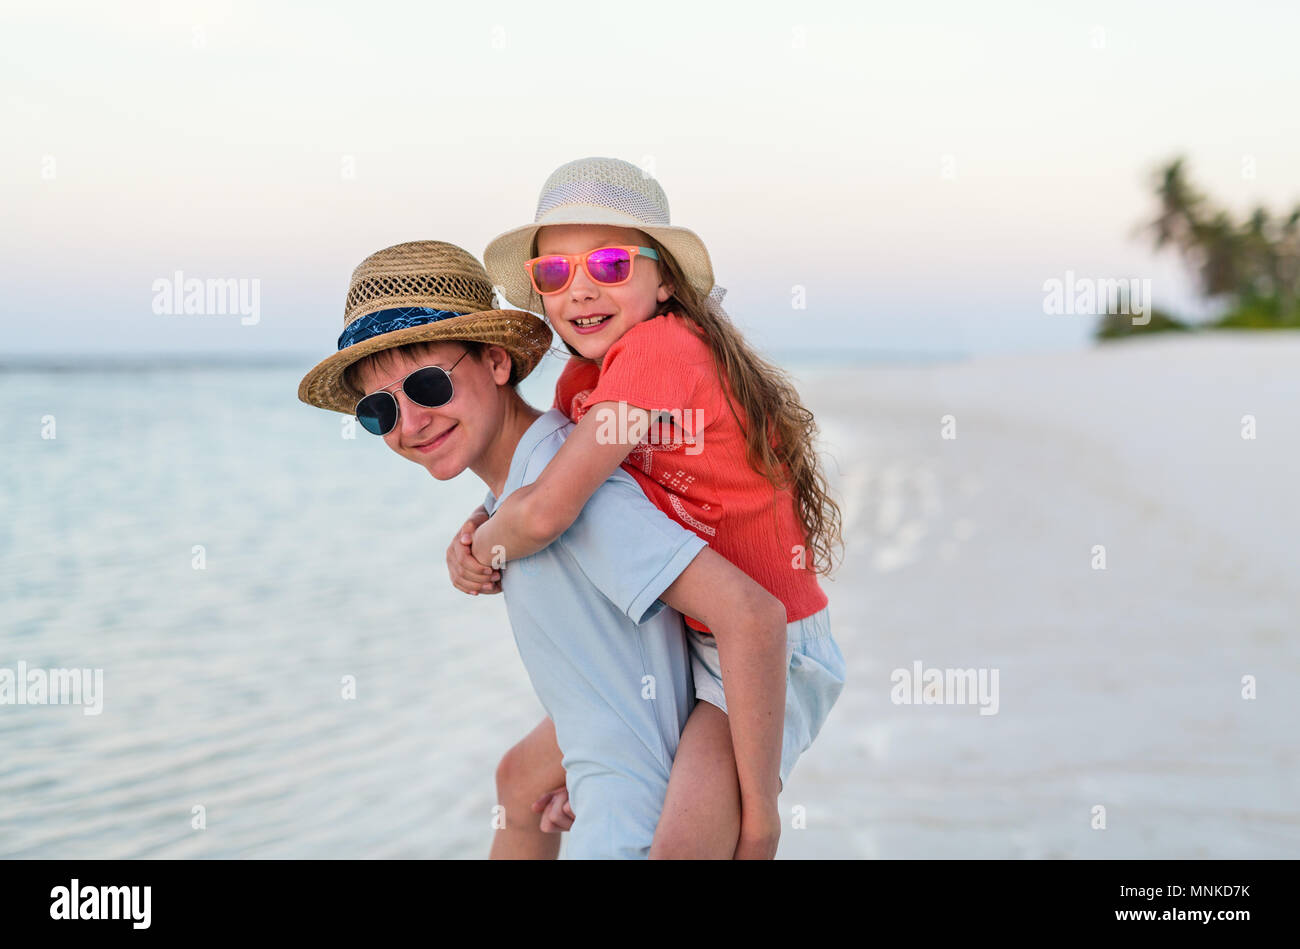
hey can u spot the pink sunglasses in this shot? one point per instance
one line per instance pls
(607, 266)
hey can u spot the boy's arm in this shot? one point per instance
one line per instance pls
(534, 515)
(750, 626)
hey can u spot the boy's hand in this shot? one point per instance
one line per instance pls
(557, 815)
(760, 831)
(467, 574)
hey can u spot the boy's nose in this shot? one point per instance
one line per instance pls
(412, 419)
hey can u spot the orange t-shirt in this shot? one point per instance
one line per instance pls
(692, 464)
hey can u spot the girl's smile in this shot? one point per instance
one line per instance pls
(590, 324)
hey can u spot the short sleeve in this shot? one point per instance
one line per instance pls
(629, 549)
(577, 378)
(658, 364)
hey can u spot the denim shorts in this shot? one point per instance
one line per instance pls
(814, 680)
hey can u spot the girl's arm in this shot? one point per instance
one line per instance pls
(535, 515)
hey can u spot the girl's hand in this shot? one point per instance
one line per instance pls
(467, 574)
(760, 831)
(557, 815)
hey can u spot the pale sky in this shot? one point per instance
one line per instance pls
(806, 143)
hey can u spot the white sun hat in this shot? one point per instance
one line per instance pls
(595, 191)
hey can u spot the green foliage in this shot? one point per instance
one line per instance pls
(1259, 313)
(1254, 264)
(1121, 326)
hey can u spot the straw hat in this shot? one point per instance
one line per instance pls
(421, 291)
(596, 191)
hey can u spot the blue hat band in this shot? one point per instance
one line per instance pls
(388, 321)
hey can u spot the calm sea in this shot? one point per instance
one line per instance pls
(233, 564)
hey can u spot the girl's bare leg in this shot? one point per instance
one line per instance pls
(701, 816)
(526, 772)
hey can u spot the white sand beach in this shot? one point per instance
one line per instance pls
(1119, 687)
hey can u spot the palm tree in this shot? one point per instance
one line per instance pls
(1255, 263)
(1259, 260)
(1219, 253)
(1288, 265)
(1180, 207)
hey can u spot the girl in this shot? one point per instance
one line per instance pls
(662, 383)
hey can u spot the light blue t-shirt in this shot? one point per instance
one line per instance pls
(605, 655)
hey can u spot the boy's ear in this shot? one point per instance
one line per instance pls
(499, 364)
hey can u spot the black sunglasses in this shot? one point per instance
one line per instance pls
(429, 386)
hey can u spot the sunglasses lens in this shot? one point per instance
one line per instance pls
(550, 273)
(609, 265)
(430, 387)
(377, 413)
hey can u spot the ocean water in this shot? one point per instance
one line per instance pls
(322, 558)
(231, 562)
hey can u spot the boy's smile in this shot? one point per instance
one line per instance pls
(464, 432)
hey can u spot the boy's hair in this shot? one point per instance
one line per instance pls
(779, 431)
(385, 359)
